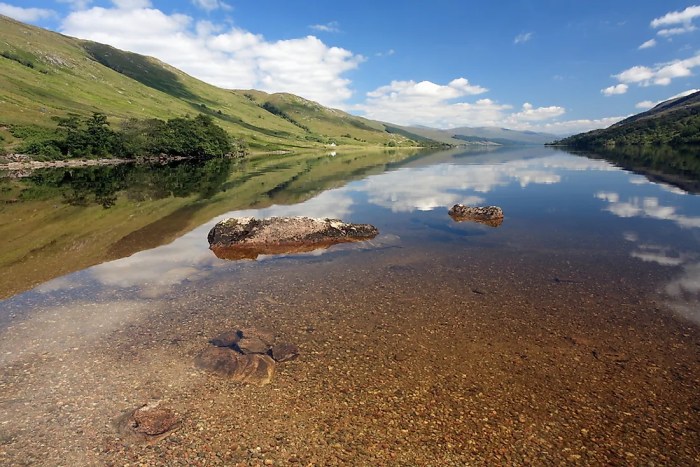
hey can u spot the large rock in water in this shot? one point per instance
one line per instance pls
(489, 215)
(248, 237)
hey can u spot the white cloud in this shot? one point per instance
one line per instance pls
(636, 74)
(233, 59)
(676, 23)
(645, 105)
(677, 17)
(649, 104)
(333, 26)
(131, 4)
(27, 15)
(522, 38)
(430, 104)
(676, 31)
(211, 5)
(661, 74)
(568, 127)
(529, 113)
(617, 89)
(648, 44)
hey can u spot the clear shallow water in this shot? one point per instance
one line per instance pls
(459, 340)
(554, 203)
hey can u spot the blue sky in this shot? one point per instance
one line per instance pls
(544, 65)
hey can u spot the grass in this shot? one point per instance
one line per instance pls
(68, 75)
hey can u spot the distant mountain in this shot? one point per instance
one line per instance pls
(675, 122)
(45, 75)
(477, 136)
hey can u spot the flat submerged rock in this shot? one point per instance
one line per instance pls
(248, 237)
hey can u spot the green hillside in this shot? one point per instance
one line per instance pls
(675, 122)
(45, 75)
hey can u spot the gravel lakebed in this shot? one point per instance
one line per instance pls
(419, 357)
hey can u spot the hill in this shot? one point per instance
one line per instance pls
(464, 136)
(675, 122)
(45, 76)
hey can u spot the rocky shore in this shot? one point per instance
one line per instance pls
(459, 357)
(22, 162)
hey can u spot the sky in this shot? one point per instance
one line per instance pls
(556, 66)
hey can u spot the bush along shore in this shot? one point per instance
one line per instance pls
(91, 141)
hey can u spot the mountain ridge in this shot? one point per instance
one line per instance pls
(485, 135)
(674, 122)
(46, 75)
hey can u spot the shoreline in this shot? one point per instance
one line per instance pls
(23, 162)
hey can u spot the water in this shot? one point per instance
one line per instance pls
(443, 332)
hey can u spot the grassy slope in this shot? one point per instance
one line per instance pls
(48, 74)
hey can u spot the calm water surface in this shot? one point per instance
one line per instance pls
(590, 258)
(555, 203)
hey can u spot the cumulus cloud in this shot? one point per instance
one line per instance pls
(233, 58)
(661, 74)
(522, 38)
(27, 15)
(333, 26)
(398, 102)
(612, 90)
(649, 104)
(648, 44)
(529, 113)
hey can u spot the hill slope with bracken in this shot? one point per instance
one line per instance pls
(675, 122)
(45, 75)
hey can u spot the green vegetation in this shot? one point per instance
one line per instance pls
(45, 76)
(678, 166)
(197, 138)
(675, 123)
(103, 185)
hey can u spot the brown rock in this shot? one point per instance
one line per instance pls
(154, 420)
(227, 339)
(247, 237)
(148, 423)
(220, 360)
(250, 345)
(268, 337)
(255, 369)
(284, 351)
(488, 215)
